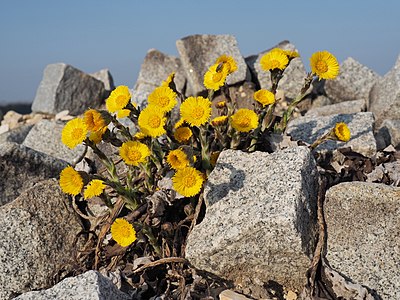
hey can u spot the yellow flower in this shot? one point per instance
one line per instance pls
(94, 120)
(71, 181)
(123, 232)
(151, 121)
(96, 136)
(179, 123)
(140, 135)
(74, 132)
(264, 97)
(183, 134)
(227, 62)
(244, 120)
(196, 110)
(291, 54)
(220, 104)
(324, 65)
(215, 77)
(118, 98)
(188, 181)
(219, 121)
(169, 79)
(177, 159)
(163, 97)
(274, 59)
(133, 153)
(94, 188)
(123, 113)
(342, 132)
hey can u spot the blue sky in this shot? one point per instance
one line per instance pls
(92, 35)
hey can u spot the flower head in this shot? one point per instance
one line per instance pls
(71, 181)
(219, 121)
(291, 54)
(123, 113)
(169, 80)
(133, 153)
(74, 132)
(274, 59)
(187, 181)
(118, 98)
(342, 132)
(196, 110)
(324, 65)
(123, 232)
(96, 120)
(151, 121)
(215, 77)
(163, 97)
(220, 104)
(264, 97)
(94, 188)
(177, 159)
(140, 135)
(97, 136)
(183, 134)
(227, 62)
(244, 120)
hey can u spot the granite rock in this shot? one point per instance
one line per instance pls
(384, 98)
(346, 107)
(104, 76)
(16, 135)
(363, 234)
(199, 52)
(64, 87)
(308, 129)
(89, 286)
(353, 82)
(37, 237)
(45, 137)
(22, 167)
(293, 77)
(390, 130)
(260, 223)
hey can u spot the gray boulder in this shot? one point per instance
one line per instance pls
(354, 82)
(22, 167)
(104, 76)
(390, 131)
(199, 52)
(308, 129)
(37, 238)
(89, 286)
(16, 135)
(64, 87)
(156, 67)
(293, 77)
(363, 235)
(384, 98)
(45, 137)
(346, 107)
(260, 223)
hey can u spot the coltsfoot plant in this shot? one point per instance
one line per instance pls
(167, 160)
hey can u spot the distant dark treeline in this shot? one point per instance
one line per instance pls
(22, 108)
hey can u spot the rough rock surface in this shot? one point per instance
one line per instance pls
(363, 234)
(293, 77)
(354, 82)
(156, 67)
(45, 137)
(64, 87)
(37, 236)
(199, 52)
(309, 129)
(390, 129)
(22, 167)
(260, 223)
(104, 76)
(16, 135)
(346, 107)
(384, 98)
(89, 286)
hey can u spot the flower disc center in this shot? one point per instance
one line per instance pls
(322, 66)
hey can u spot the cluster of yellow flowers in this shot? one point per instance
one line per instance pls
(188, 146)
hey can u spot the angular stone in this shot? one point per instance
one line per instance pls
(346, 107)
(37, 237)
(22, 167)
(390, 131)
(16, 135)
(199, 52)
(65, 88)
(45, 137)
(293, 77)
(104, 76)
(260, 223)
(384, 98)
(89, 286)
(308, 129)
(354, 82)
(363, 234)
